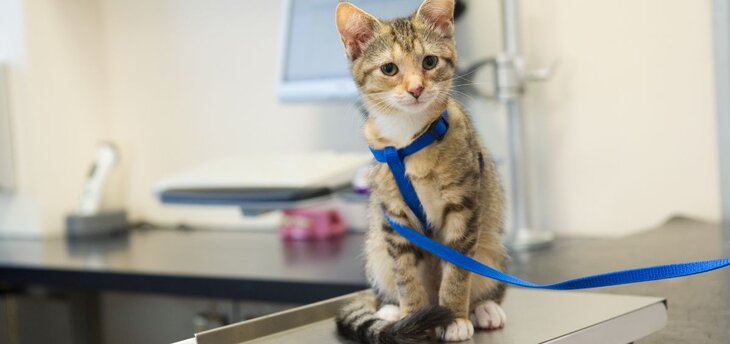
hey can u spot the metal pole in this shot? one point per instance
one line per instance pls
(721, 29)
(522, 236)
(510, 27)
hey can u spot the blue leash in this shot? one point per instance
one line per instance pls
(395, 158)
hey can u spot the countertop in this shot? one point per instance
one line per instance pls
(243, 265)
(255, 265)
(699, 305)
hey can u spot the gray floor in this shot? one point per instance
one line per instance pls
(699, 306)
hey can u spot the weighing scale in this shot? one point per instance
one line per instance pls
(533, 316)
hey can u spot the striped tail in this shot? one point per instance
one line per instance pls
(357, 322)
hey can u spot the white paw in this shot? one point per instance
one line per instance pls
(388, 313)
(488, 315)
(460, 329)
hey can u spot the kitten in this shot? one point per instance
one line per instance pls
(403, 69)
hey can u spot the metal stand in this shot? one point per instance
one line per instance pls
(510, 77)
(522, 236)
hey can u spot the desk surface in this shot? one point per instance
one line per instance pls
(699, 306)
(246, 265)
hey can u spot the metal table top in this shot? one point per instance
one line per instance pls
(533, 317)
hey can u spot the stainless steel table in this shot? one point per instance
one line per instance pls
(533, 317)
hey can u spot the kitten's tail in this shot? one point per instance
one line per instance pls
(357, 321)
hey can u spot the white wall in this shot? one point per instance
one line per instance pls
(623, 136)
(57, 109)
(626, 130)
(17, 210)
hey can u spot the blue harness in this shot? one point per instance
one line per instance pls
(395, 158)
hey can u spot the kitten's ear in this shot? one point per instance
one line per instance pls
(356, 27)
(439, 14)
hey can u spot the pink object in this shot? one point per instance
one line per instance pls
(311, 223)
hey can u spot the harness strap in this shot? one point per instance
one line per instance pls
(398, 169)
(395, 158)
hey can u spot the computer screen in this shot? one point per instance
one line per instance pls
(313, 65)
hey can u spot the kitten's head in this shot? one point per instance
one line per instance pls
(402, 66)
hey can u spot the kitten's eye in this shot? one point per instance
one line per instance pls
(389, 69)
(430, 62)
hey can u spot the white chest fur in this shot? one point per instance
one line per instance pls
(399, 129)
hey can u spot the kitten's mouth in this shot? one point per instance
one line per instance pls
(418, 103)
(412, 104)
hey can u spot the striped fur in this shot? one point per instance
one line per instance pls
(454, 178)
(357, 322)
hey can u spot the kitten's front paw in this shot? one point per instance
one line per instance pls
(388, 313)
(488, 315)
(460, 329)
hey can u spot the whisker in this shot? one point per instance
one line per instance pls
(461, 76)
(473, 83)
(470, 97)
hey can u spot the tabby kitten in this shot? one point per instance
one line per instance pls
(403, 69)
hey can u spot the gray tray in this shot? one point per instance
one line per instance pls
(533, 316)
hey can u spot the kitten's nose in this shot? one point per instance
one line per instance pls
(415, 91)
